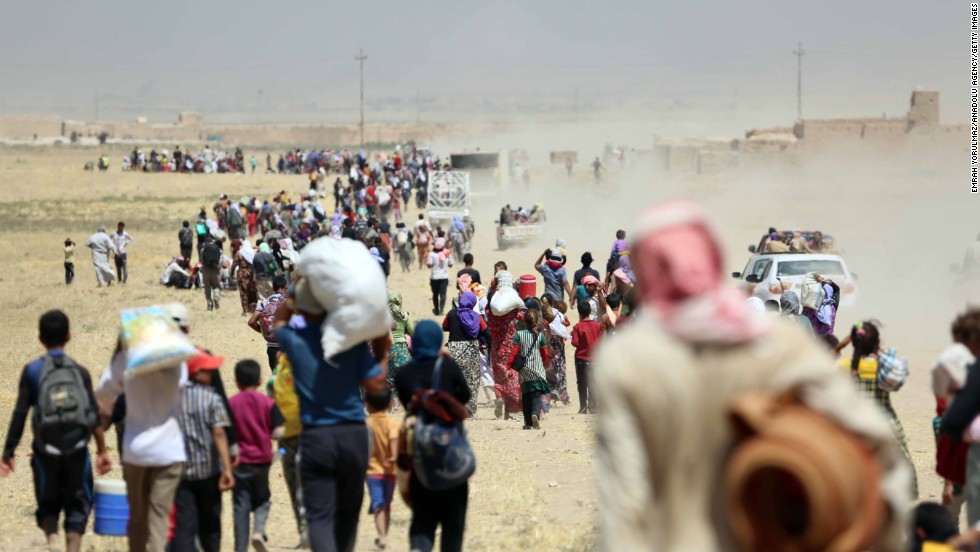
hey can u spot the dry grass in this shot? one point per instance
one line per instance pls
(882, 209)
(49, 197)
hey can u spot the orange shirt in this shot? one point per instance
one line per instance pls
(384, 429)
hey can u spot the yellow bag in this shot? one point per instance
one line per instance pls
(284, 393)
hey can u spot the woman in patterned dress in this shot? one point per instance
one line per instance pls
(502, 326)
(246, 285)
(400, 329)
(466, 332)
(558, 335)
(532, 345)
(863, 366)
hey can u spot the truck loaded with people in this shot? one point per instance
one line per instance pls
(517, 228)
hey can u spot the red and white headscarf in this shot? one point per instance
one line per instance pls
(678, 267)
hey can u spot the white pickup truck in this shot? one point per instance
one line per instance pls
(768, 275)
(448, 196)
(517, 234)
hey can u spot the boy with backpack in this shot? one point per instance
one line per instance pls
(263, 321)
(211, 272)
(65, 416)
(258, 421)
(404, 246)
(186, 239)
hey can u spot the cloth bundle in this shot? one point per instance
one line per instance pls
(350, 285)
(153, 340)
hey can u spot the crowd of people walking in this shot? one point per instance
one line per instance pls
(659, 309)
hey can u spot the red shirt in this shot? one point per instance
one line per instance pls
(256, 416)
(585, 337)
(950, 455)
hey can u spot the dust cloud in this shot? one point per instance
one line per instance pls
(901, 216)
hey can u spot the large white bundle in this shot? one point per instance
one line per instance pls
(949, 371)
(504, 301)
(811, 292)
(349, 284)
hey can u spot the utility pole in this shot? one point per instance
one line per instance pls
(799, 80)
(360, 59)
(96, 105)
(418, 113)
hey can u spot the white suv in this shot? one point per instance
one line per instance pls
(768, 275)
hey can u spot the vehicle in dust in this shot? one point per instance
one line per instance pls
(768, 275)
(517, 235)
(448, 196)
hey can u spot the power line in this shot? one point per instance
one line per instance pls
(799, 80)
(360, 59)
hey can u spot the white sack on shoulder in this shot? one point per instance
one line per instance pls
(949, 371)
(504, 301)
(349, 284)
(811, 291)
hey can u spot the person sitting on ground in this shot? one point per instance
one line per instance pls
(176, 275)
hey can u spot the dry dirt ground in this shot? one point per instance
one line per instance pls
(532, 489)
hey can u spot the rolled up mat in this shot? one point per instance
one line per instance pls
(798, 482)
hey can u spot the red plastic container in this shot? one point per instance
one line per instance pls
(527, 286)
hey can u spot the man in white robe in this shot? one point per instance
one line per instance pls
(102, 248)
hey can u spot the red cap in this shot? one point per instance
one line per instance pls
(204, 361)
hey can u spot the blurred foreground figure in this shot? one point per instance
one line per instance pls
(751, 439)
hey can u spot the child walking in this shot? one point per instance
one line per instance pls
(585, 337)
(381, 466)
(257, 421)
(532, 347)
(486, 375)
(203, 419)
(69, 261)
(59, 458)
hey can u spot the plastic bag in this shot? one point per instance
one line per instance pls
(349, 284)
(153, 340)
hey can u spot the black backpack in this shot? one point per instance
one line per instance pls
(186, 237)
(211, 255)
(613, 263)
(234, 217)
(64, 415)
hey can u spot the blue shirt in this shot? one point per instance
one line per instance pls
(554, 281)
(329, 394)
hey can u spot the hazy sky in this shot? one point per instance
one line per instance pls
(217, 55)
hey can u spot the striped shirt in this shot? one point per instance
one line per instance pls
(201, 410)
(529, 347)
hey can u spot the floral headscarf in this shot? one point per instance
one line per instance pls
(395, 306)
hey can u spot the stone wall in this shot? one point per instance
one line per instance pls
(26, 127)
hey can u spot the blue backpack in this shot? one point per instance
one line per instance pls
(443, 457)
